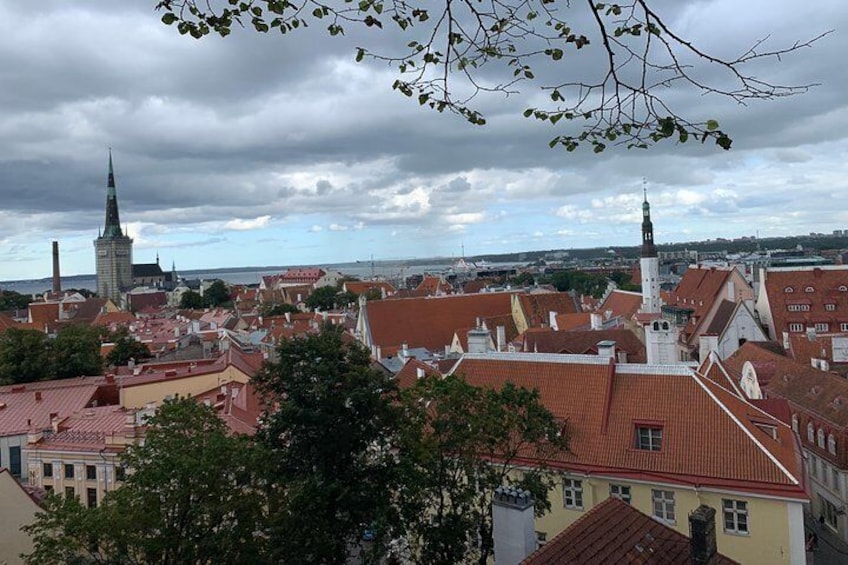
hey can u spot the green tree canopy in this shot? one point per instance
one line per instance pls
(126, 348)
(191, 300)
(192, 497)
(460, 443)
(11, 300)
(76, 352)
(323, 298)
(24, 356)
(331, 444)
(217, 294)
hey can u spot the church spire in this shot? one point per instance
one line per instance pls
(113, 221)
(648, 247)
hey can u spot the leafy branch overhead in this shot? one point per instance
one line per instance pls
(458, 48)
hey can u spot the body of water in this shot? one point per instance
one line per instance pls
(246, 276)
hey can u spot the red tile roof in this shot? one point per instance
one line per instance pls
(729, 452)
(430, 322)
(237, 404)
(361, 287)
(408, 375)
(433, 286)
(616, 532)
(538, 306)
(582, 342)
(565, 322)
(815, 287)
(621, 303)
(818, 392)
(25, 406)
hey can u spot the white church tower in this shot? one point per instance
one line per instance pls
(649, 263)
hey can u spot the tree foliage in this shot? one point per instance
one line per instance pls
(324, 298)
(76, 352)
(454, 51)
(24, 356)
(579, 281)
(217, 294)
(30, 355)
(341, 450)
(11, 300)
(191, 300)
(126, 348)
(192, 497)
(460, 444)
(330, 446)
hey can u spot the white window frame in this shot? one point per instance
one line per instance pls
(843, 327)
(621, 492)
(820, 438)
(662, 502)
(796, 327)
(822, 326)
(572, 493)
(811, 432)
(831, 444)
(795, 423)
(735, 514)
(649, 438)
(830, 307)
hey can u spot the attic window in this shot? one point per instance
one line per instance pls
(811, 433)
(809, 289)
(649, 438)
(843, 288)
(831, 444)
(788, 289)
(820, 438)
(767, 428)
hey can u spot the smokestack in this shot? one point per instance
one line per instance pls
(513, 526)
(57, 281)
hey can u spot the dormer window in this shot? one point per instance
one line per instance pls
(649, 438)
(830, 307)
(820, 438)
(788, 289)
(809, 289)
(831, 444)
(811, 433)
(843, 288)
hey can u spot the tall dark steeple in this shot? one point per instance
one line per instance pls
(648, 247)
(113, 249)
(113, 221)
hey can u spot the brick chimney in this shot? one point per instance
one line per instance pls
(702, 543)
(57, 280)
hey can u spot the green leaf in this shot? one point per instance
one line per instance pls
(712, 125)
(528, 112)
(168, 18)
(360, 54)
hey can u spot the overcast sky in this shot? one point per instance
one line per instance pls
(269, 150)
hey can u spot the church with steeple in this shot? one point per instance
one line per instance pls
(649, 264)
(113, 249)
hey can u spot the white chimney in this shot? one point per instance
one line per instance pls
(606, 348)
(419, 372)
(552, 319)
(501, 337)
(478, 340)
(596, 321)
(513, 525)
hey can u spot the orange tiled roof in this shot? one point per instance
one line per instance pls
(432, 285)
(430, 322)
(408, 375)
(537, 307)
(582, 342)
(621, 303)
(820, 392)
(361, 287)
(713, 442)
(567, 322)
(616, 532)
(815, 288)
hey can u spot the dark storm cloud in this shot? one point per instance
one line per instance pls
(252, 126)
